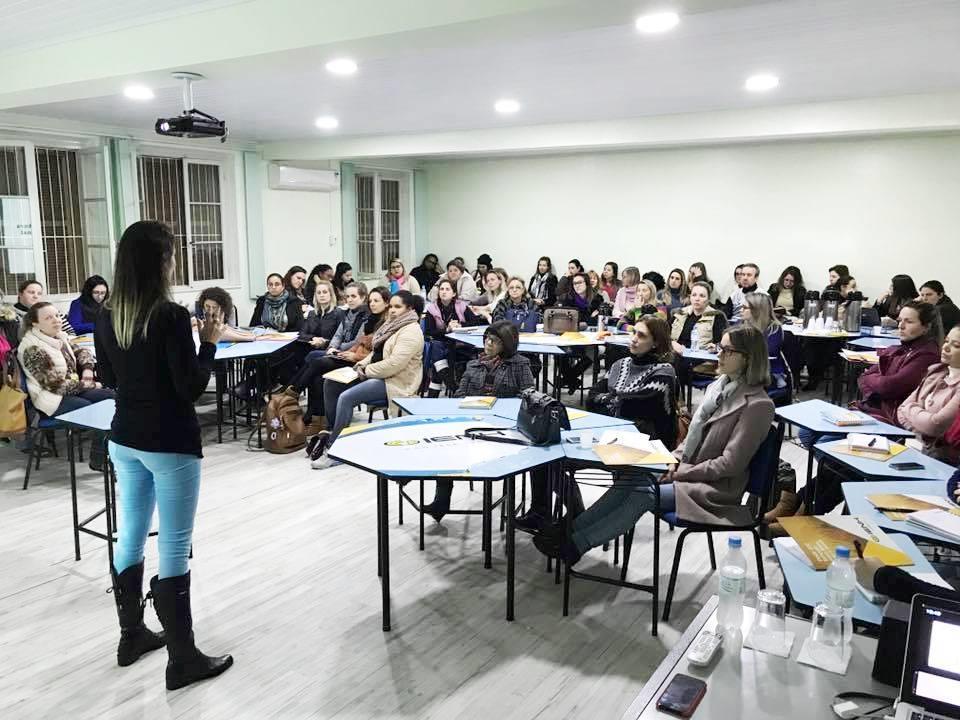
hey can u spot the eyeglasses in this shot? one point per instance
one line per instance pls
(394, 267)
(727, 350)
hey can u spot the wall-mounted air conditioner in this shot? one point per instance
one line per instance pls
(285, 177)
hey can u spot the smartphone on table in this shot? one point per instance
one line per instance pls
(904, 466)
(682, 695)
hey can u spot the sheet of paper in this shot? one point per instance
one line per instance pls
(345, 375)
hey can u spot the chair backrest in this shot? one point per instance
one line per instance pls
(763, 469)
(869, 317)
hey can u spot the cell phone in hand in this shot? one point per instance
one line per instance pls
(682, 695)
(905, 466)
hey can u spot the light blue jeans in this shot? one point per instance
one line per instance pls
(171, 483)
(616, 512)
(346, 397)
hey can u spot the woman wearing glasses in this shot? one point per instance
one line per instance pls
(397, 279)
(708, 483)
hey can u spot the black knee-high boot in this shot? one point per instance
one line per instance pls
(136, 638)
(441, 500)
(185, 664)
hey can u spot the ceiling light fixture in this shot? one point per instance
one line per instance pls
(327, 122)
(342, 66)
(761, 82)
(138, 92)
(658, 22)
(506, 106)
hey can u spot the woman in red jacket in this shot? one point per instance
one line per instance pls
(888, 383)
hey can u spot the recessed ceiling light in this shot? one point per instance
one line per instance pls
(505, 106)
(657, 22)
(138, 92)
(761, 82)
(327, 122)
(342, 66)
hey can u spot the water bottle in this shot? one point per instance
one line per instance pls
(695, 338)
(733, 587)
(841, 588)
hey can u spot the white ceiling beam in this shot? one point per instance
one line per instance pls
(876, 116)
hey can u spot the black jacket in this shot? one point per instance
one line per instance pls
(799, 295)
(157, 381)
(511, 376)
(294, 314)
(549, 288)
(321, 326)
(949, 313)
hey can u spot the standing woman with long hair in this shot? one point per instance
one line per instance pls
(145, 349)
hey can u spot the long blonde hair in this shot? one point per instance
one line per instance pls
(331, 305)
(762, 316)
(141, 280)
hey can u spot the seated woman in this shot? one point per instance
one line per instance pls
(517, 307)
(446, 314)
(574, 267)
(29, 293)
(758, 312)
(213, 302)
(394, 369)
(398, 279)
(887, 384)
(645, 299)
(318, 330)
(610, 280)
(320, 271)
(586, 301)
(543, 284)
(342, 276)
(597, 286)
(708, 484)
(901, 291)
(426, 273)
(499, 371)
(278, 309)
(294, 282)
(59, 378)
(676, 294)
(495, 290)
(788, 292)
(626, 298)
(931, 409)
(698, 327)
(355, 322)
(83, 310)
(698, 272)
(934, 293)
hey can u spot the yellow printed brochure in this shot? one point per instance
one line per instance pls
(819, 535)
(477, 403)
(622, 448)
(345, 375)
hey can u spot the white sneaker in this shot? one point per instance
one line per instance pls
(322, 462)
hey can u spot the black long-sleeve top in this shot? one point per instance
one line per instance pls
(157, 379)
(901, 585)
(437, 331)
(324, 326)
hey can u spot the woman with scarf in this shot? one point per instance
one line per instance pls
(277, 309)
(59, 378)
(641, 388)
(397, 279)
(707, 485)
(445, 314)
(543, 284)
(394, 369)
(626, 298)
(83, 310)
(499, 371)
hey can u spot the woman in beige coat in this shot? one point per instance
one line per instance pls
(708, 483)
(394, 369)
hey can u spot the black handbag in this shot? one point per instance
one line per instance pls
(540, 420)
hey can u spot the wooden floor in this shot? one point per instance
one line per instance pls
(284, 578)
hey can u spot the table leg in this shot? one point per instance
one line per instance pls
(510, 546)
(219, 391)
(259, 379)
(384, 551)
(379, 533)
(487, 524)
(544, 369)
(811, 491)
(71, 456)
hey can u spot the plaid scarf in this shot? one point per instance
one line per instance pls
(390, 327)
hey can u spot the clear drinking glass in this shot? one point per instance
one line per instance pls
(769, 631)
(827, 643)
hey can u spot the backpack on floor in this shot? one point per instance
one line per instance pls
(282, 425)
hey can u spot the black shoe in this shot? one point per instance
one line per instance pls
(318, 443)
(136, 639)
(546, 546)
(532, 521)
(438, 508)
(186, 664)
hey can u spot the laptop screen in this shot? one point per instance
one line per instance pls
(931, 669)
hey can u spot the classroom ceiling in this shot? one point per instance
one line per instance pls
(562, 61)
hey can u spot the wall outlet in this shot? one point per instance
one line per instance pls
(333, 240)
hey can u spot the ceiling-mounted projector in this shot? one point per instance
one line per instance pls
(191, 123)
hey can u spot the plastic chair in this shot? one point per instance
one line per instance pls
(763, 477)
(40, 427)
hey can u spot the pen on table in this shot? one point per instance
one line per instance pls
(872, 442)
(859, 548)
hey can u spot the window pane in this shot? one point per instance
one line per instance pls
(365, 224)
(161, 199)
(61, 220)
(389, 221)
(16, 225)
(206, 233)
(96, 219)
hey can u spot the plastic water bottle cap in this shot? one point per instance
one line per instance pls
(843, 551)
(734, 542)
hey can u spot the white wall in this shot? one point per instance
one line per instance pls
(881, 206)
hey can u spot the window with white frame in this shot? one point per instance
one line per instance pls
(380, 213)
(186, 196)
(63, 190)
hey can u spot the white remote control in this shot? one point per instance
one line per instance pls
(704, 648)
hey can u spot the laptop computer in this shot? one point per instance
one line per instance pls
(930, 686)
